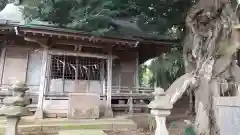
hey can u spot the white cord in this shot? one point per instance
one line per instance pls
(16, 30)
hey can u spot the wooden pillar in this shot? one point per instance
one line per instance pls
(109, 86)
(102, 79)
(2, 62)
(137, 72)
(43, 82)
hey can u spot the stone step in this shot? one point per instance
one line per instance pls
(53, 126)
(81, 132)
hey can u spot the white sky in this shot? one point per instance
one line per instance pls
(148, 62)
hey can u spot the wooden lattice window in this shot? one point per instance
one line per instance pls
(75, 67)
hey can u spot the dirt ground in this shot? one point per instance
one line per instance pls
(175, 125)
(175, 122)
(178, 129)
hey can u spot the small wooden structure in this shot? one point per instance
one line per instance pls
(55, 62)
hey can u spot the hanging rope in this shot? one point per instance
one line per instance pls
(96, 65)
(82, 68)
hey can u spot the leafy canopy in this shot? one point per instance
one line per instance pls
(3, 3)
(128, 18)
(139, 18)
(167, 68)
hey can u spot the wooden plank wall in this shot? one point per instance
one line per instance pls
(128, 70)
(22, 64)
(15, 65)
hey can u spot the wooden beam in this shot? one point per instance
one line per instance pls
(81, 54)
(43, 42)
(72, 42)
(108, 49)
(76, 35)
(78, 43)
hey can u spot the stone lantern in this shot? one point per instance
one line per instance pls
(160, 108)
(15, 107)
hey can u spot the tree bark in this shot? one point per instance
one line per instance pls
(209, 26)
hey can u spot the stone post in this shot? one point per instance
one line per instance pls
(160, 109)
(130, 103)
(14, 107)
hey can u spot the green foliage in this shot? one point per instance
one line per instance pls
(189, 131)
(3, 3)
(142, 71)
(163, 70)
(174, 124)
(140, 18)
(167, 68)
(145, 76)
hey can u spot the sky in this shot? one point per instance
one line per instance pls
(148, 62)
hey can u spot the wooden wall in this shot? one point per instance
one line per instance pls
(22, 64)
(15, 65)
(124, 73)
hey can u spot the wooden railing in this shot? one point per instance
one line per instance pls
(125, 89)
(137, 98)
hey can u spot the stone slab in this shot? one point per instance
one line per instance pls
(31, 126)
(81, 132)
(228, 115)
(84, 106)
(17, 101)
(14, 111)
(29, 129)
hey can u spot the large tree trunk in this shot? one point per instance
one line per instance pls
(208, 54)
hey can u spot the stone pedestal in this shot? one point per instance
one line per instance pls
(160, 109)
(160, 117)
(12, 123)
(15, 107)
(108, 112)
(130, 106)
(84, 106)
(39, 114)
